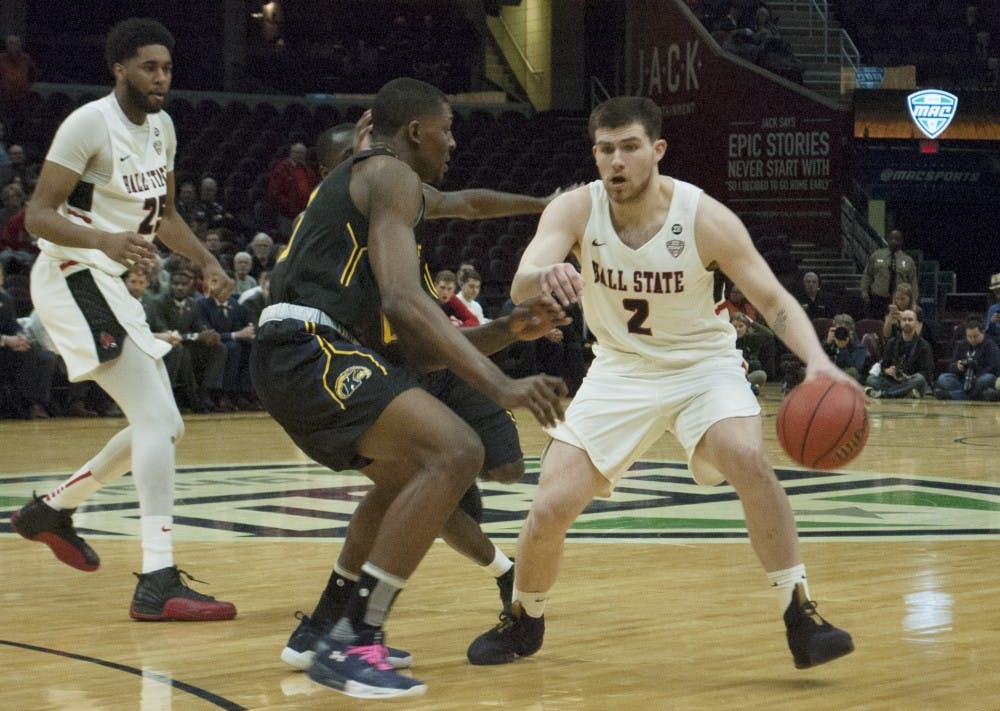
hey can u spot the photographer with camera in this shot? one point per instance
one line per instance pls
(907, 363)
(974, 367)
(844, 348)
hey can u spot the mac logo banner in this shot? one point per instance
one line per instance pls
(932, 110)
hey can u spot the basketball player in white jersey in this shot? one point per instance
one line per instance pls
(105, 192)
(650, 247)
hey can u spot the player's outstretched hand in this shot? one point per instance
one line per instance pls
(563, 281)
(535, 317)
(129, 248)
(542, 394)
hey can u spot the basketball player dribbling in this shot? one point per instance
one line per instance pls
(105, 192)
(650, 246)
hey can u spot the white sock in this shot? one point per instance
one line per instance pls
(783, 582)
(533, 603)
(74, 491)
(157, 542)
(500, 565)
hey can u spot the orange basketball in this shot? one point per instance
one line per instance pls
(823, 424)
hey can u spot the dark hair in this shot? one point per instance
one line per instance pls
(973, 322)
(624, 110)
(334, 143)
(129, 35)
(400, 101)
(467, 273)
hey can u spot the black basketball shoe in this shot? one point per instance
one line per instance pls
(162, 595)
(812, 639)
(517, 635)
(37, 521)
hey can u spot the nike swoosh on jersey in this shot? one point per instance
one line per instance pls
(595, 243)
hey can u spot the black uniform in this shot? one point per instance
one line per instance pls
(326, 385)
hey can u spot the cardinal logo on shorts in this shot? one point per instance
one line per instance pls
(108, 342)
(675, 247)
(350, 380)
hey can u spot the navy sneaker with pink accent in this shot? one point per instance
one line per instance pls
(361, 669)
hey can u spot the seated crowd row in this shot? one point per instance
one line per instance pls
(894, 357)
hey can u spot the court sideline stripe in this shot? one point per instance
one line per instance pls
(161, 678)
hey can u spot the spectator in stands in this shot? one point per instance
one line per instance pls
(187, 200)
(289, 185)
(19, 169)
(17, 73)
(844, 348)
(263, 253)
(907, 365)
(764, 26)
(813, 302)
(213, 242)
(212, 212)
(470, 283)
(137, 283)
(992, 324)
(454, 308)
(974, 367)
(18, 249)
(24, 387)
(732, 21)
(226, 318)
(756, 342)
(242, 264)
(178, 311)
(887, 267)
(158, 278)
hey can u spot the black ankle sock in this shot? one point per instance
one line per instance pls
(334, 599)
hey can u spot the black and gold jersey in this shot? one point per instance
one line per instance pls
(325, 264)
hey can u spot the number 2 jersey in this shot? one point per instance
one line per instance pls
(123, 171)
(657, 302)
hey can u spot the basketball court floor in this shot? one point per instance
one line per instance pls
(660, 604)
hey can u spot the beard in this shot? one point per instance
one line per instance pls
(140, 100)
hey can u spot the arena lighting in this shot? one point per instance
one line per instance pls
(932, 110)
(928, 146)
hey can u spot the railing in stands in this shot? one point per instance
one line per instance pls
(847, 53)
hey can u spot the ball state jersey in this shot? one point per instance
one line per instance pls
(657, 302)
(325, 265)
(133, 199)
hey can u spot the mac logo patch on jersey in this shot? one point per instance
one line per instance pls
(932, 110)
(350, 380)
(158, 147)
(675, 246)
